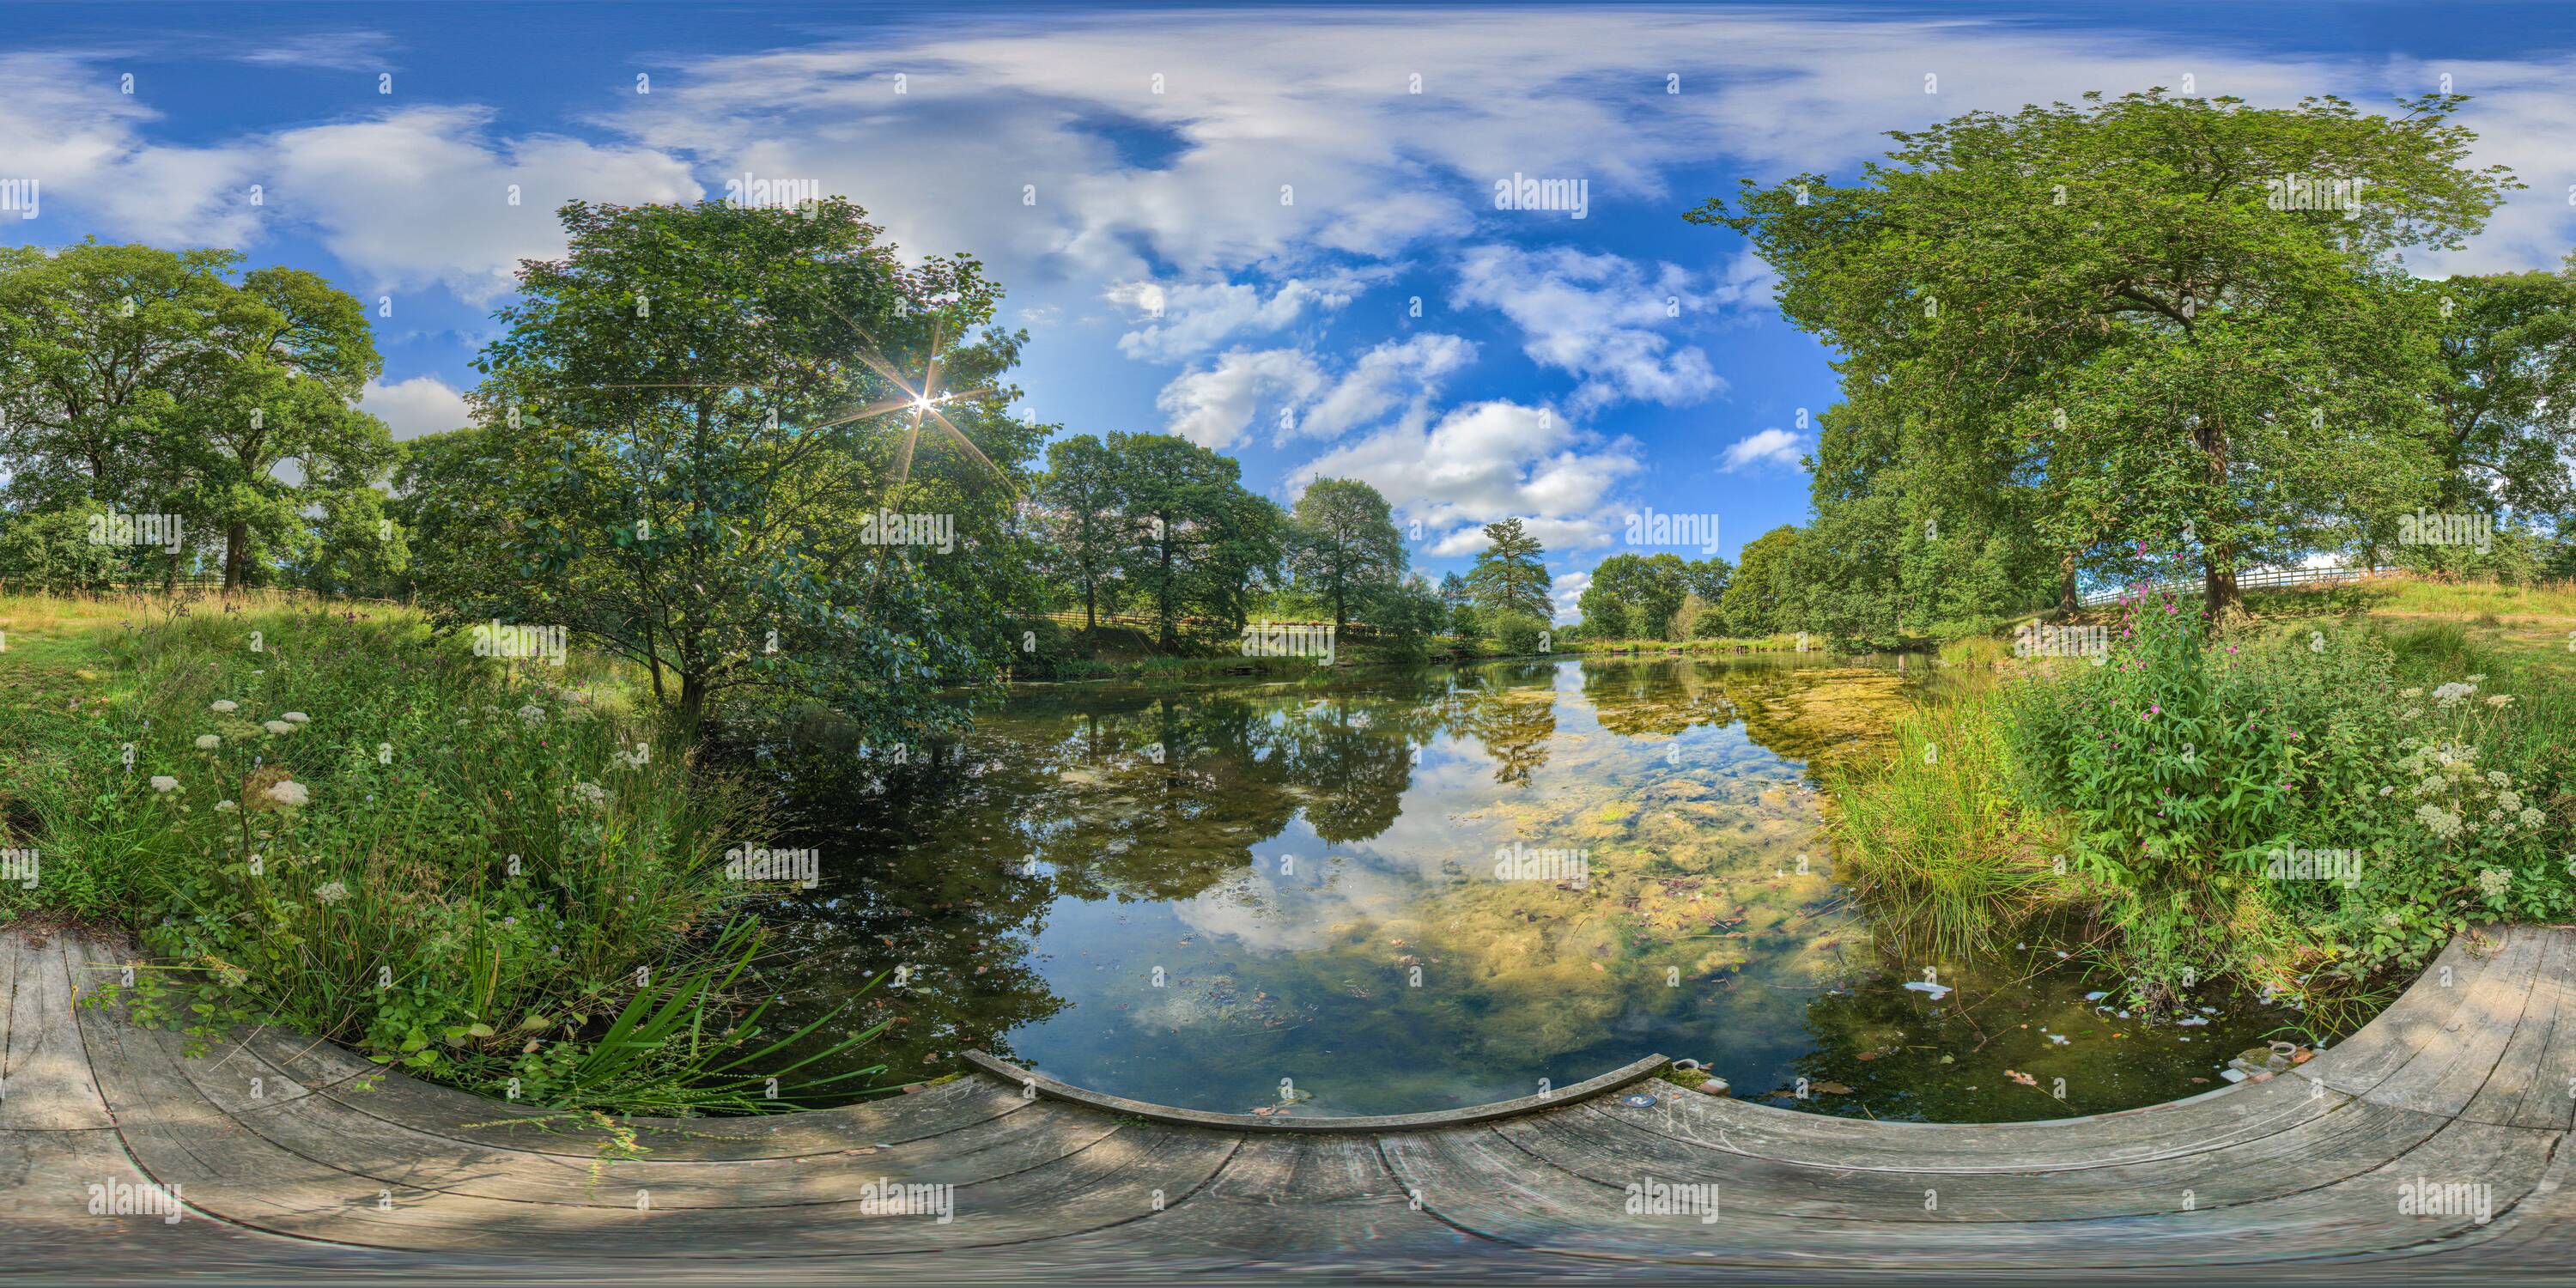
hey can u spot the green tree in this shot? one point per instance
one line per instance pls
(1087, 521)
(2508, 405)
(291, 361)
(1763, 597)
(150, 380)
(1199, 539)
(1343, 541)
(706, 428)
(1510, 577)
(1635, 595)
(2138, 301)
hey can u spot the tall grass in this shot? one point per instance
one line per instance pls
(1934, 837)
(342, 823)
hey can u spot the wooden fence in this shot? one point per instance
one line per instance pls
(2251, 579)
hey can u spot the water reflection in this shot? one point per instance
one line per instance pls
(1190, 894)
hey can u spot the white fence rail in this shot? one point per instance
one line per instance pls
(2250, 579)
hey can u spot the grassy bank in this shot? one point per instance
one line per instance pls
(491, 874)
(2306, 801)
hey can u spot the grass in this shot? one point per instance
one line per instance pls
(1941, 834)
(1935, 838)
(340, 821)
(1785, 643)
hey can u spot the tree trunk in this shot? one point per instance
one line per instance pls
(236, 552)
(1090, 603)
(2218, 595)
(1163, 592)
(2066, 582)
(693, 702)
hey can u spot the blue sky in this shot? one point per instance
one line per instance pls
(1567, 371)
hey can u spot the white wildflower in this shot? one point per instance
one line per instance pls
(289, 792)
(225, 705)
(296, 717)
(2494, 882)
(225, 807)
(164, 783)
(2443, 823)
(590, 793)
(278, 727)
(2453, 694)
(331, 892)
(532, 714)
(208, 742)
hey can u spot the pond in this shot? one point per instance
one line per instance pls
(1397, 890)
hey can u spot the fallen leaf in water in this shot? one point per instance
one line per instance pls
(1599, 967)
(1829, 1088)
(2022, 1078)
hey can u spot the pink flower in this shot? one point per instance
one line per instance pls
(2155, 709)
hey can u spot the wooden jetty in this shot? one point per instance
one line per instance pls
(2429, 1144)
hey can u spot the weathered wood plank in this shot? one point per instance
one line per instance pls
(44, 1071)
(2534, 1083)
(355, 1082)
(1488, 1186)
(2203, 1124)
(1031, 1080)
(2444, 1076)
(2360, 1137)
(2417, 1019)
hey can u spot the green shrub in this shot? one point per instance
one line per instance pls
(349, 827)
(2272, 804)
(1517, 635)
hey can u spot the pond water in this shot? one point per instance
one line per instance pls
(1197, 895)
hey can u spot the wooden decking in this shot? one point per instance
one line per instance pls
(293, 1158)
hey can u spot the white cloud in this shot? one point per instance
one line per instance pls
(1564, 591)
(348, 51)
(1599, 317)
(1769, 447)
(423, 195)
(1490, 461)
(1213, 407)
(1397, 372)
(411, 408)
(1192, 318)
